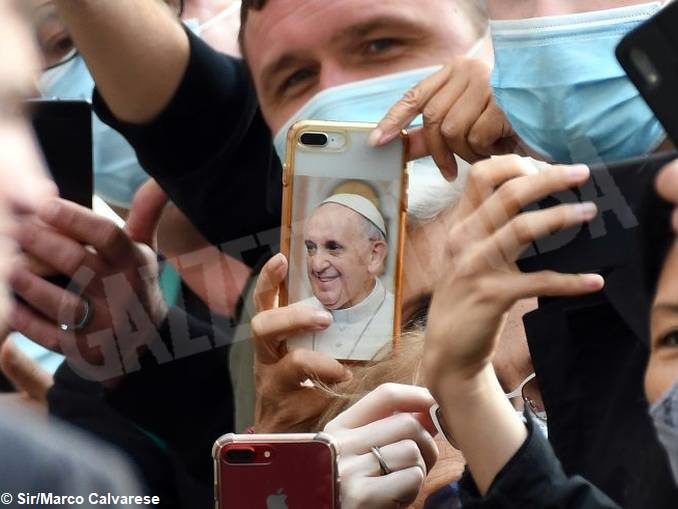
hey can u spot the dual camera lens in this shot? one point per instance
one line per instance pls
(314, 139)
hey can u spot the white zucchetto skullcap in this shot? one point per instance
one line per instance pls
(362, 206)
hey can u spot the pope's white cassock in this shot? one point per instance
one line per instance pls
(358, 332)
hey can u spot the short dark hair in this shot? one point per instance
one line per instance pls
(247, 6)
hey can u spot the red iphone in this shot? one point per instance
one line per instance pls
(282, 471)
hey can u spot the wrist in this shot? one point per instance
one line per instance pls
(452, 383)
(483, 423)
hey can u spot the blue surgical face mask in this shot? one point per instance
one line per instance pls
(559, 83)
(360, 101)
(664, 414)
(369, 101)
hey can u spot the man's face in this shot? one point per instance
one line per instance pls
(22, 179)
(341, 261)
(297, 48)
(662, 370)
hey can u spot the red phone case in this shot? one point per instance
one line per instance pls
(287, 471)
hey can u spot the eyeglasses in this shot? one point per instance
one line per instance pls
(529, 392)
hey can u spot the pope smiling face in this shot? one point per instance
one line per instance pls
(345, 255)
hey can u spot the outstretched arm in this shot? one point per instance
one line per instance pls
(137, 52)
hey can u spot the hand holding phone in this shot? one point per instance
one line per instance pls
(343, 227)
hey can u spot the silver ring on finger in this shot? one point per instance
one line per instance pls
(84, 321)
(385, 469)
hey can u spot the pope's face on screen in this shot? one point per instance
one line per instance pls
(342, 260)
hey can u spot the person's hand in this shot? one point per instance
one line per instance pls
(285, 402)
(119, 304)
(481, 281)
(667, 185)
(393, 418)
(28, 378)
(460, 117)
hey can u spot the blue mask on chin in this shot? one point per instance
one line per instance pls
(360, 101)
(117, 173)
(664, 415)
(559, 84)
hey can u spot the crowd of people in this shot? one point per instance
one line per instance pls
(504, 388)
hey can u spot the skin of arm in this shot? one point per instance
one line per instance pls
(488, 430)
(136, 51)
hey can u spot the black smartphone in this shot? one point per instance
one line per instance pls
(630, 213)
(649, 55)
(64, 133)
(626, 243)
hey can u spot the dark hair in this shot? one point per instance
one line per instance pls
(247, 6)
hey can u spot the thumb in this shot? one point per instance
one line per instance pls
(302, 364)
(418, 148)
(147, 207)
(268, 283)
(25, 374)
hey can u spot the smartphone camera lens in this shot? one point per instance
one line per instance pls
(313, 139)
(240, 455)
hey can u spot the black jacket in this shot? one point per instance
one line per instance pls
(590, 353)
(533, 478)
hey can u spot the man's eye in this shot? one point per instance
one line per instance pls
(333, 246)
(58, 50)
(310, 248)
(669, 340)
(296, 79)
(382, 45)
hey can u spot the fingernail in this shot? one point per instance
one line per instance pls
(277, 261)
(578, 172)
(322, 318)
(586, 210)
(375, 137)
(348, 374)
(594, 281)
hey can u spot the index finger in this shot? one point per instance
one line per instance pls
(408, 108)
(384, 401)
(83, 225)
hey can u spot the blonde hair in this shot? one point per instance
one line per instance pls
(399, 365)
